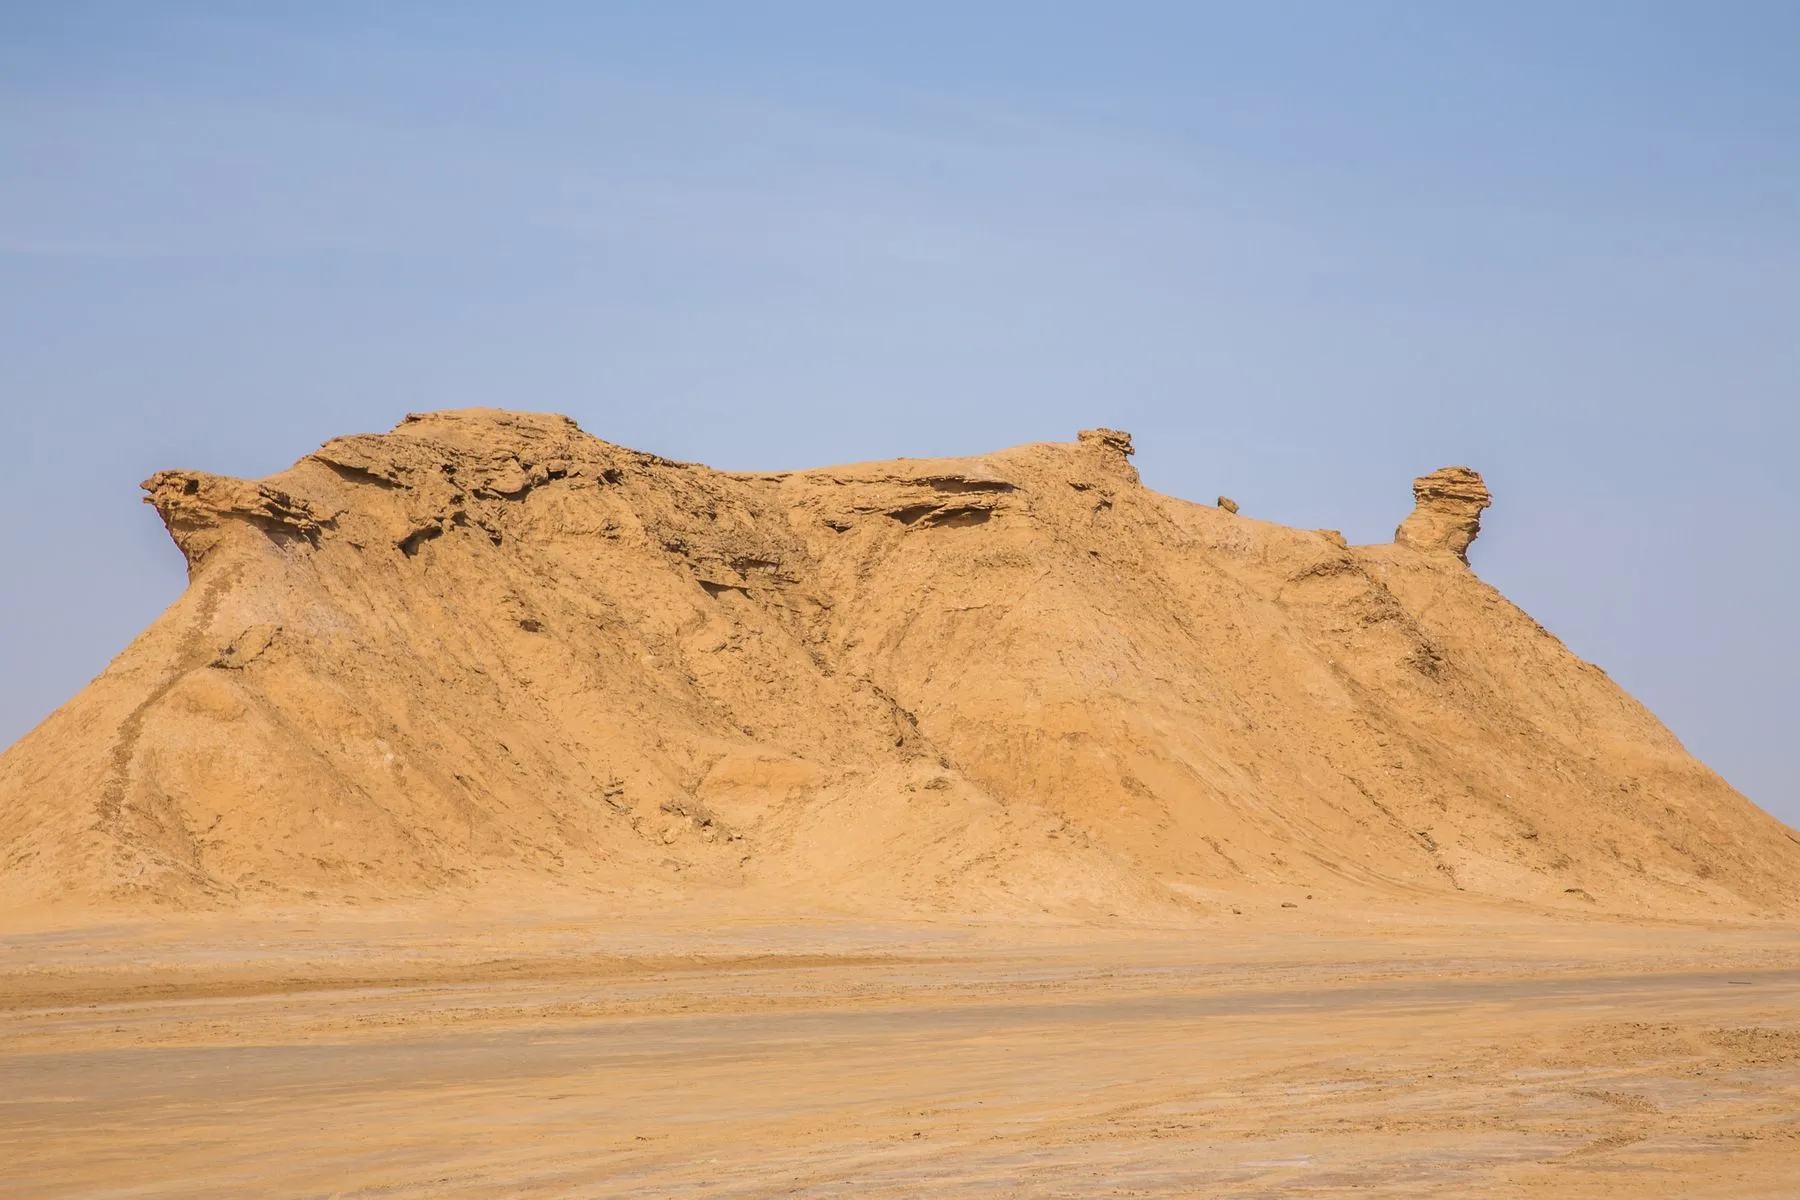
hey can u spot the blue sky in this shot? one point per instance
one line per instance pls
(1304, 252)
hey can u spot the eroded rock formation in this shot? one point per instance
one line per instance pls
(1446, 515)
(487, 648)
(197, 507)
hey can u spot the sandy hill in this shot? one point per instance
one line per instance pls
(489, 650)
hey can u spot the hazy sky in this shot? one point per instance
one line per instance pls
(1304, 252)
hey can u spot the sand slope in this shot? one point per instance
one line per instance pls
(487, 650)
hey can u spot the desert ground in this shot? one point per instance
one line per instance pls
(1268, 1052)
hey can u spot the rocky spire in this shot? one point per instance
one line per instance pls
(1446, 513)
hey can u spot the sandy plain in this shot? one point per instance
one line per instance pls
(1272, 1052)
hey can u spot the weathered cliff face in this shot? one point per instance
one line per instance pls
(488, 649)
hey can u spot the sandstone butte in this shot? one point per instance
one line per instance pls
(487, 653)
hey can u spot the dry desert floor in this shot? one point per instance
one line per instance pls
(1273, 1052)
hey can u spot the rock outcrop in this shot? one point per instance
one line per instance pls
(197, 507)
(1446, 515)
(487, 650)
(1117, 441)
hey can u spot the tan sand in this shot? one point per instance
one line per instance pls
(1279, 1053)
